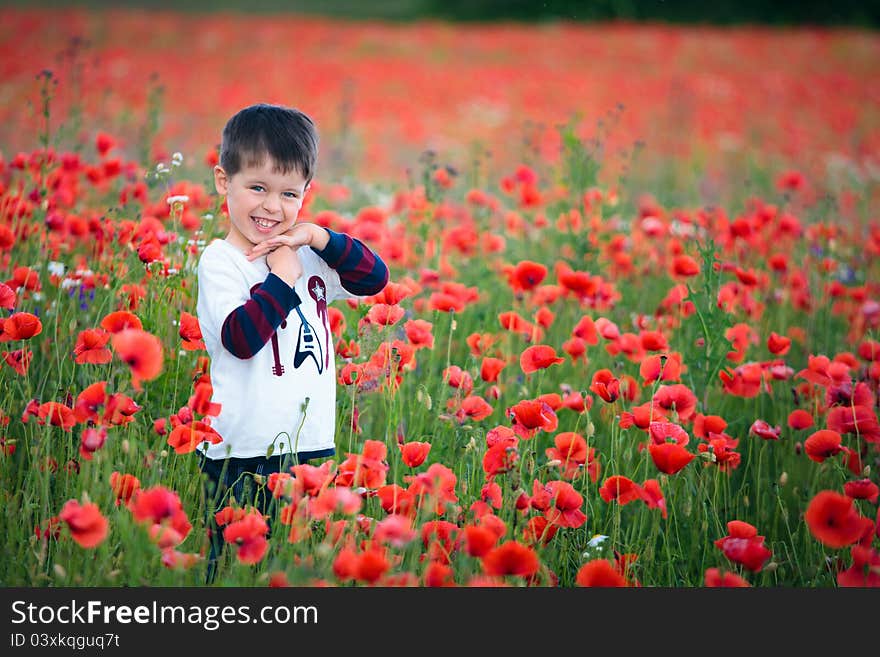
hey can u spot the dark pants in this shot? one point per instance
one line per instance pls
(232, 479)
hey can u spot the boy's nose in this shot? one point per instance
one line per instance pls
(271, 203)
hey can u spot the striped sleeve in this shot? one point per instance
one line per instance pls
(361, 271)
(250, 326)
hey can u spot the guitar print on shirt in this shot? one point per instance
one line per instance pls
(318, 292)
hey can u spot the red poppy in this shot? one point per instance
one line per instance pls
(606, 385)
(91, 347)
(834, 520)
(142, 352)
(865, 569)
(742, 545)
(513, 322)
(666, 432)
(124, 486)
(20, 326)
(571, 451)
(121, 320)
(863, 489)
(87, 526)
(670, 457)
(249, 537)
(564, 508)
(436, 484)
(704, 425)
(765, 431)
(19, 360)
(500, 457)
(663, 367)
(475, 408)
(619, 488)
(91, 440)
(778, 344)
(382, 314)
(678, 397)
(684, 266)
(332, 500)
(440, 538)
(418, 332)
(600, 573)
(538, 357)
(458, 378)
(57, 414)
(490, 368)
(525, 276)
(392, 294)
(653, 496)
(190, 332)
(479, 540)
(186, 437)
(531, 416)
(395, 499)
(7, 297)
(586, 330)
(800, 419)
(859, 420)
(414, 453)
(445, 302)
(823, 444)
(715, 578)
(395, 530)
(511, 558)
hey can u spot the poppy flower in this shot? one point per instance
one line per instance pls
(670, 457)
(865, 569)
(20, 326)
(538, 357)
(665, 432)
(91, 440)
(479, 540)
(121, 320)
(458, 378)
(190, 332)
(684, 266)
(823, 444)
(445, 302)
(414, 453)
(500, 457)
(91, 347)
(678, 397)
(395, 499)
(437, 483)
(440, 538)
(778, 344)
(586, 330)
(141, 351)
(515, 323)
(511, 558)
(652, 495)
(7, 297)
(704, 425)
(531, 416)
(564, 508)
(606, 385)
(663, 367)
(418, 332)
(186, 437)
(833, 519)
(863, 489)
(570, 451)
(395, 530)
(600, 573)
(763, 430)
(742, 545)
(475, 408)
(382, 314)
(124, 486)
(715, 578)
(619, 488)
(57, 414)
(87, 526)
(858, 419)
(335, 499)
(490, 368)
(19, 360)
(249, 537)
(642, 416)
(525, 276)
(800, 419)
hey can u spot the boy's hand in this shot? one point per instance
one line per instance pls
(284, 262)
(304, 234)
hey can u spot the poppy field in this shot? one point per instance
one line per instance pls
(631, 335)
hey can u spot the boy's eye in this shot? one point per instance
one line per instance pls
(291, 195)
(258, 188)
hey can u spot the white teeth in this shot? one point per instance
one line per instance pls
(263, 223)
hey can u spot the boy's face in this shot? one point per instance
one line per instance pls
(262, 201)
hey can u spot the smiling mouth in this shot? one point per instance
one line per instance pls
(265, 224)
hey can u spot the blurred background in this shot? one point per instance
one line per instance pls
(724, 89)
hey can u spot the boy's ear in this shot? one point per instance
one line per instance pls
(221, 180)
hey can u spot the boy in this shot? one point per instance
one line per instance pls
(262, 307)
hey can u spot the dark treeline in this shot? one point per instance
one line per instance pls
(725, 12)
